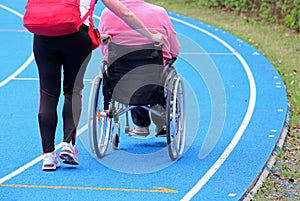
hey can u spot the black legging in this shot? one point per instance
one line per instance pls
(70, 53)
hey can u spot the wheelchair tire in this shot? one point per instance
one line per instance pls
(175, 117)
(99, 121)
(115, 141)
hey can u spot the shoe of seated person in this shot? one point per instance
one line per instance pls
(162, 132)
(139, 130)
(69, 154)
(50, 162)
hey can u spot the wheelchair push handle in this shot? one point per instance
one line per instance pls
(105, 39)
(171, 61)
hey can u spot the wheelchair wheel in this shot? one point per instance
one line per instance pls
(175, 117)
(115, 141)
(99, 121)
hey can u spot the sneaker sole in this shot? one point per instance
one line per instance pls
(161, 135)
(50, 168)
(67, 159)
(137, 133)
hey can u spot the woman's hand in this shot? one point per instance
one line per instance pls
(157, 38)
(105, 39)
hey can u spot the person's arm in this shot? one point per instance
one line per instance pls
(172, 36)
(131, 19)
(174, 44)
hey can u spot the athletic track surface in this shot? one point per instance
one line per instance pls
(237, 114)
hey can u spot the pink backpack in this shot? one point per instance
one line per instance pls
(54, 17)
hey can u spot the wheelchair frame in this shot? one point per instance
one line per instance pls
(102, 128)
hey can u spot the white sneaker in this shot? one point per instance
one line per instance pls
(139, 130)
(162, 132)
(50, 162)
(69, 154)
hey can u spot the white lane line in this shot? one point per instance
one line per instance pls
(16, 73)
(234, 141)
(206, 53)
(13, 76)
(26, 79)
(214, 168)
(13, 30)
(12, 11)
(27, 62)
(36, 160)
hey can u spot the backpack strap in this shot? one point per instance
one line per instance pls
(90, 11)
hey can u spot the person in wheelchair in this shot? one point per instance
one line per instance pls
(156, 19)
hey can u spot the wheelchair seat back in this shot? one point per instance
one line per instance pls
(134, 74)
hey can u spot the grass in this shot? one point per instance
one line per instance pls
(281, 47)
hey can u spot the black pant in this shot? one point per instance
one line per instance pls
(141, 117)
(70, 53)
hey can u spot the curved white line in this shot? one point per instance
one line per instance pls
(38, 159)
(27, 62)
(17, 72)
(11, 10)
(227, 151)
(214, 168)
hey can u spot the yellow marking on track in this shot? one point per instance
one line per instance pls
(157, 189)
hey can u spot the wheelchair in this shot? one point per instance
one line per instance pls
(135, 76)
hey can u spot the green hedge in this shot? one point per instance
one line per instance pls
(276, 11)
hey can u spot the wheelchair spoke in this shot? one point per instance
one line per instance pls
(100, 123)
(176, 119)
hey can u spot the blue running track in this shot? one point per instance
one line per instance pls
(237, 113)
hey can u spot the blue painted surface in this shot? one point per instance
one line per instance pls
(218, 97)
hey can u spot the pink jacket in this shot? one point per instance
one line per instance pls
(154, 17)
